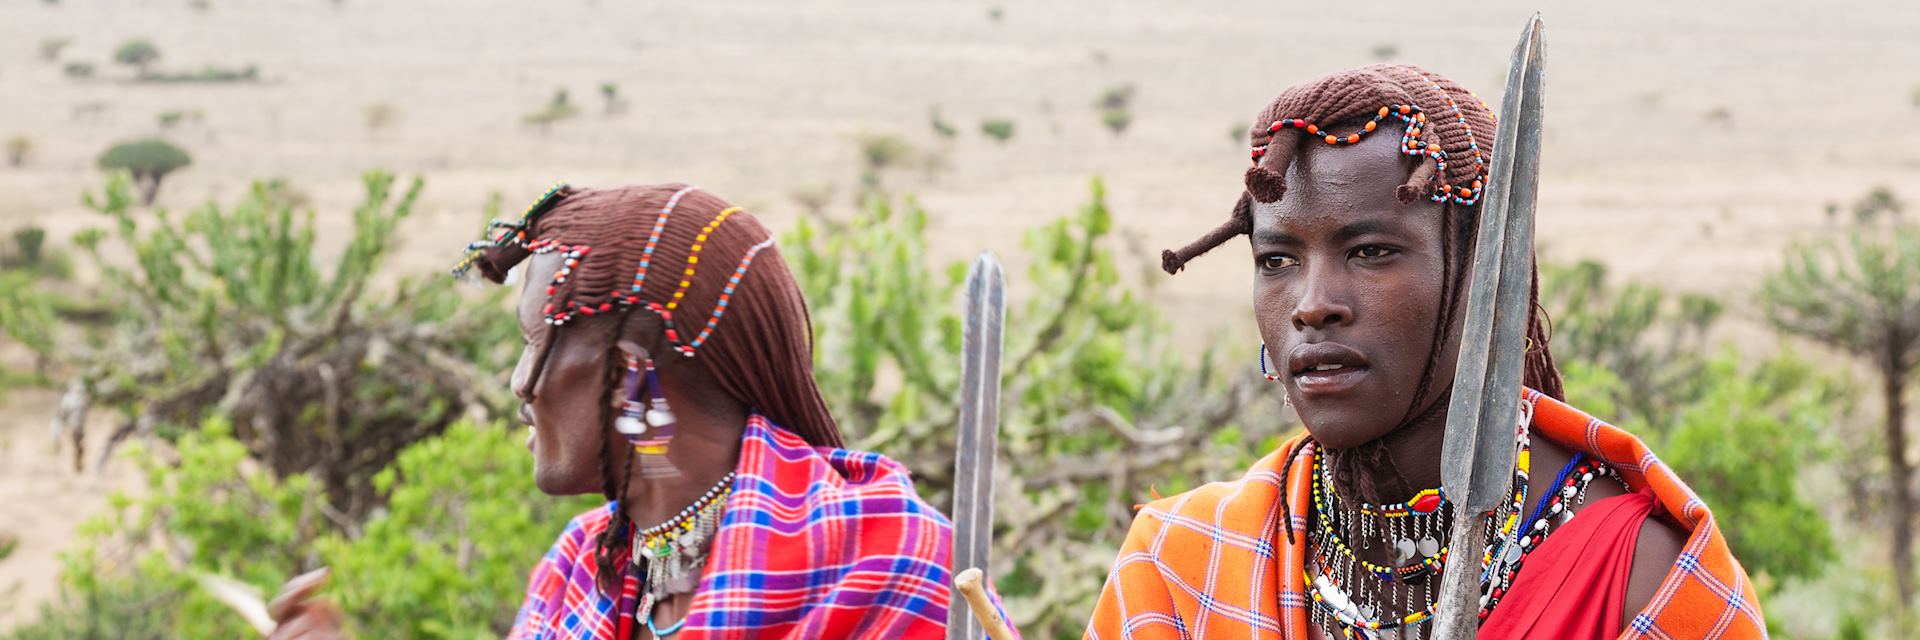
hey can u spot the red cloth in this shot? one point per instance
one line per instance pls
(1575, 585)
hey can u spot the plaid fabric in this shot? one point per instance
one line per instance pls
(1204, 564)
(815, 543)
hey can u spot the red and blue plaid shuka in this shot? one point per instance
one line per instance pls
(815, 543)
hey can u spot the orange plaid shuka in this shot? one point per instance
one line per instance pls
(1212, 563)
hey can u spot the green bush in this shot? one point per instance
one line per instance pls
(149, 161)
(1000, 129)
(208, 73)
(559, 107)
(231, 312)
(940, 125)
(1638, 358)
(448, 559)
(1099, 406)
(1116, 120)
(463, 528)
(78, 69)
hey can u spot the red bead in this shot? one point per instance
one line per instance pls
(606, 306)
(1427, 503)
(1298, 123)
(549, 290)
(547, 310)
(586, 310)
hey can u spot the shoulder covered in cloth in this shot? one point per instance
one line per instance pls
(1216, 562)
(814, 543)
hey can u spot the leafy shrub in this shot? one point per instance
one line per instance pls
(559, 107)
(1116, 120)
(448, 559)
(208, 73)
(78, 69)
(1118, 96)
(941, 127)
(1098, 404)
(1000, 129)
(230, 312)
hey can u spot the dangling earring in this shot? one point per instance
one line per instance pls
(631, 422)
(1271, 375)
(657, 420)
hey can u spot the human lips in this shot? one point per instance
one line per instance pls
(1324, 368)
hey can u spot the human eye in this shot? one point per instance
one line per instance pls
(1277, 261)
(1373, 251)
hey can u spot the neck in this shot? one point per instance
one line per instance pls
(1414, 450)
(705, 449)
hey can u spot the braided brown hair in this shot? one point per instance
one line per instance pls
(1452, 131)
(709, 269)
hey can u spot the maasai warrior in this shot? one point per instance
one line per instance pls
(668, 367)
(1361, 211)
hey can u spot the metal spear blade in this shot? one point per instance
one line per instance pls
(980, 345)
(1477, 459)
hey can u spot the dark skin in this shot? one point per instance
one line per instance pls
(567, 407)
(1347, 287)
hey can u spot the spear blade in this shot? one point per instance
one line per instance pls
(1477, 459)
(980, 345)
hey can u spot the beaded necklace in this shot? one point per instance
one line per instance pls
(1415, 529)
(671, 554)
(1547, 517)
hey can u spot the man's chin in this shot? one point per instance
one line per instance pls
(550, 481)
(1335, 424)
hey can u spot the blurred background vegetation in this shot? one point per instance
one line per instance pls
(290, 411)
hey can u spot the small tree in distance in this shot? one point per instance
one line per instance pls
(1862, 295)
(148, 161)
(138, 54)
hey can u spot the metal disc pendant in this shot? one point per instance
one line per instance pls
(1402, 551)
(1429, 547)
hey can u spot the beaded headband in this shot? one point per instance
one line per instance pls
(1415, 120)
(509, 232)
(558, 314)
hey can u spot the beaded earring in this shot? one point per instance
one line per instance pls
(646, 420)
(1271, 374)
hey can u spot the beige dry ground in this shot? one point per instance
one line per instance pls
(757, 100)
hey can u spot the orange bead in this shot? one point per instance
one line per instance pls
(1433, 148)
(1420, 117)
(1414, 132)
(1383, 112)
(1465, 192)
(1476, 185)
(1313, 129)
(1404, 109)
(1353, 137)
(1333, 139)
(1371, 124)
